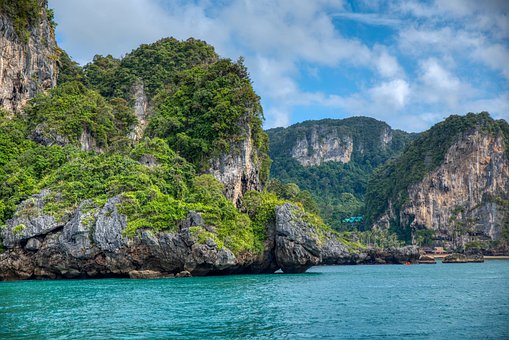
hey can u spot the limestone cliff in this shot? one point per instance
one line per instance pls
(322, 145)
(241, 167)
(27, 56)
(141, 110)
(312, 143)
(466, 197)
(463, 198)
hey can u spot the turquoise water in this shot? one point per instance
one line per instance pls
(450, 301)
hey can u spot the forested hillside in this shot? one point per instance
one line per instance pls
(332, 159)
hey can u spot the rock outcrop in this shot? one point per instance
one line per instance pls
(141, 110)
(91, 242)
(334, 252)
(27, 62)
(462, 258)
(426, 259)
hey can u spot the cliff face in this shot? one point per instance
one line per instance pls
(240, 168)
(465, 198)
(313, 143)
(322, 145)
(141, 110)
(26, 66)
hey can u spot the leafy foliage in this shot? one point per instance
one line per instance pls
(68, 69)
(202, 106)
(207, 111)
(155, 65)
(71, 109)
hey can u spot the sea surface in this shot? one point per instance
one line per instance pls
(442, 301)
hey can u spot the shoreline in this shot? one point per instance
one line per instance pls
(486, 257)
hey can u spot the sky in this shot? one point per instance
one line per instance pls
(408, 63)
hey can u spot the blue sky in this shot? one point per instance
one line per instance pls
(409, 63)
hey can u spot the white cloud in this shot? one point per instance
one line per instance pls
(387, 65)
(393, 93)
(278, 117)
(438, 85)
(369, 18)
(496, 56)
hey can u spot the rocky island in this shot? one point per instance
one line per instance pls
(156, 165)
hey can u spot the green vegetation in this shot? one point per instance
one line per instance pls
(380, 238)
(338, 188)
(71, 110)
(155, 65)
(390, 182)
(424, 237)
(197, 116)
(195, 96)
(17, 230)
(68, 69)
(24, 14)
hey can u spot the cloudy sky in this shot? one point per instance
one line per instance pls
(409, 63)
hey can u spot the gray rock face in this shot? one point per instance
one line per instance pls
(29, 221)
(76, 235)
(239, 168)
(297, 245)
(109, 227)
(91, 244)
(141, 110)
(462, 258)
(33, 244)
(26, 67)
(45, 135)
(335, 252)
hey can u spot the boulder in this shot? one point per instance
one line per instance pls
(33, 244)
(109, 227)
(335, 252)
(183, 273)
(426, 259)
(147, 274)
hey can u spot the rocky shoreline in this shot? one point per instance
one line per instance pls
(91, 244)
